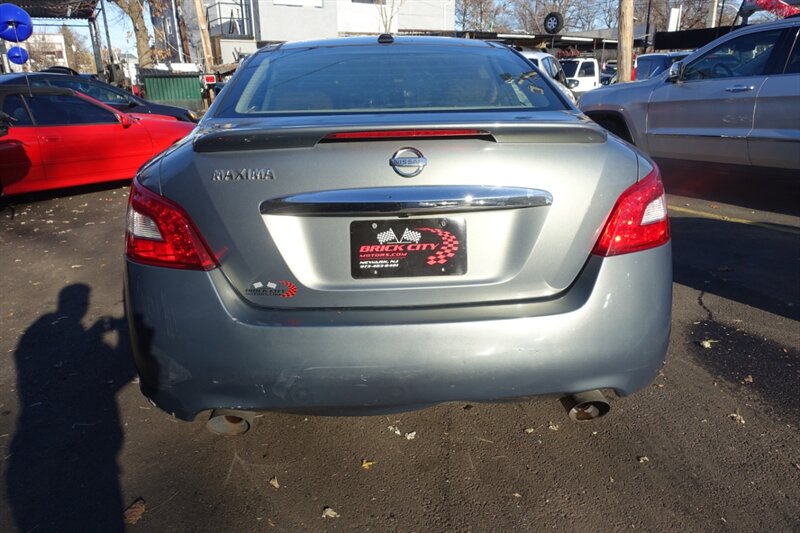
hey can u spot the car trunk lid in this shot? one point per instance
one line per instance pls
(300, 218)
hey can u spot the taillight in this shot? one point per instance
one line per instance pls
(638, 221)
(404, 134)
(160, 233)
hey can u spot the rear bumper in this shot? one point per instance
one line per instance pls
(198, 346)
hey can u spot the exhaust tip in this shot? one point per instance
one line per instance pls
(586, 406)
(230, 423)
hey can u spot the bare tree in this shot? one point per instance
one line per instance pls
(79, 56)
(528, 15)
(606, 13)
(694, 13)
(482, 15)
(135, 10)
(387, 11)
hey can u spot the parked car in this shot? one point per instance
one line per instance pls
(607, 74)
(550, 66)
(649, 65)
(736, 100)
(53, 138)
(108, 94)
(583, 69)
(362, 225)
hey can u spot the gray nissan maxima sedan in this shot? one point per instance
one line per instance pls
(364, 225)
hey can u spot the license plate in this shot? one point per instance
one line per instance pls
(408, 248)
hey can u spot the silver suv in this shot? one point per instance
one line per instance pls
(736, 100)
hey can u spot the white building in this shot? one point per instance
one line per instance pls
(240, 24)
(45, 50)
(285, 20)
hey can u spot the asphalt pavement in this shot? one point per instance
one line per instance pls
(712, 445)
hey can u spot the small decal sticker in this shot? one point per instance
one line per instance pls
(281, 289)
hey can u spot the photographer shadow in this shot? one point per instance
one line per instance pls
(62, 473)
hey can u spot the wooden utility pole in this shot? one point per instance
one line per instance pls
(625, 41)
(208, 57)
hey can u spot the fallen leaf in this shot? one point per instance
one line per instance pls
(517, 495)
(274, 482)
(552, 426)
(327, 512)
(529, 430)
(134, 512)
(411, 436)
(736, 417)
(643, 459)
(707, 344)
(366, 464)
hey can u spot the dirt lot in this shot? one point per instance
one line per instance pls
(712, 445)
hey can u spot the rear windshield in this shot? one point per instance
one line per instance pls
(387, 78)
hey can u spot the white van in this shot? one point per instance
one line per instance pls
(550, 66)
(583, 69)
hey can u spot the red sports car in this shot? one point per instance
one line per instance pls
(53, 138)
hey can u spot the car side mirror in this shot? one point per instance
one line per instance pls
(675, 71)
(5, 123)
(125, 120)
(572, 83)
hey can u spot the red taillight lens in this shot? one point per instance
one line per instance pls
(160, 233)
(404, 134)
(638, 221)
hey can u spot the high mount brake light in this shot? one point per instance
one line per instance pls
(160, 233)
(638, 221)
(404, 134)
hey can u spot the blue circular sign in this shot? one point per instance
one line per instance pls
(15, 23)
(17, 55)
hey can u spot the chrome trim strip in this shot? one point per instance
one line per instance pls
(388, 201)
(696, 135)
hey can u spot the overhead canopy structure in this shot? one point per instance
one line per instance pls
(64, 9)
(59, 9)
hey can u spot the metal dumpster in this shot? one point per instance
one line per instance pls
(175, 88)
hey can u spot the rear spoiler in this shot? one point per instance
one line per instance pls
(271, 138)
